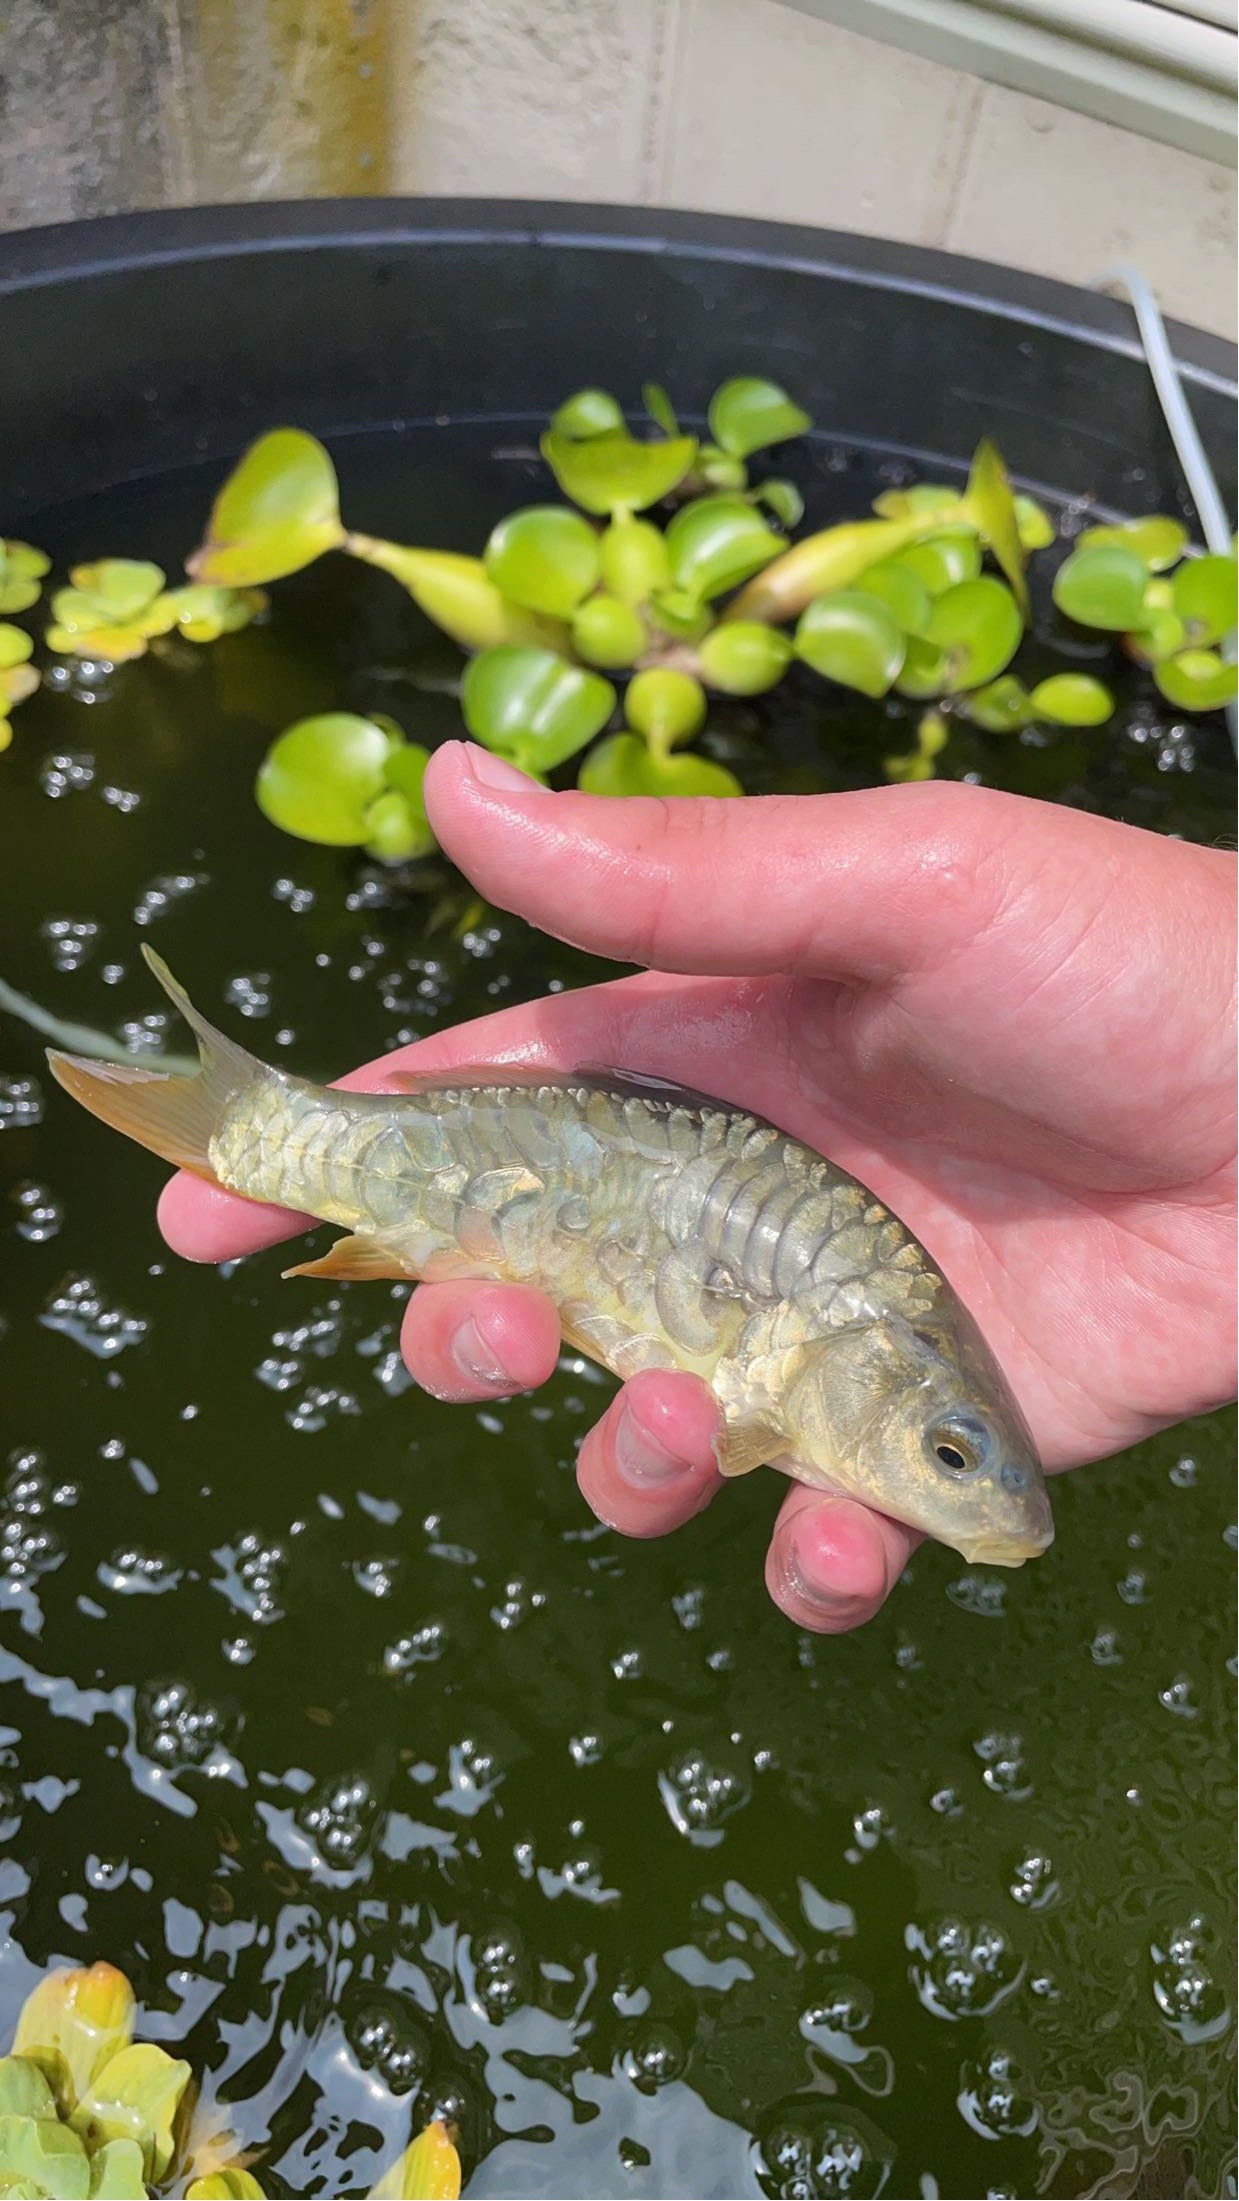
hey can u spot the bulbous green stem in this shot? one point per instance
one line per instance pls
(833, 559)
(456, 592)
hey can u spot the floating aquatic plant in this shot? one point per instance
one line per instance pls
(89, 2114)
(22, 568)
(18, 677)
(1119, 579)
(348, 782)
(115, 608)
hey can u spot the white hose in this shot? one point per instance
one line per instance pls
(1197, 471)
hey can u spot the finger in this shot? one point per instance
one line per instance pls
(649, 1465)
(479, 1341)
(831, 1562)
(863, 885)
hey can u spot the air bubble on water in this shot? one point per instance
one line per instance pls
(163, 891)
(473, 1776)
(1194, 2004)
(39, 1213)
(517, 1603)
(994, 2098)
(391, 2039)
(124, 799)
(421, 1647)
(981, 1594)
(30, 1543)
(1033, 1882)
(961, 1970)
(21, 1103)
(1133, 1588)
(175, 1728)
(585, 1749)
(146, 1034)
(320, 1404)
(70, 940)
(250, 992)
(699, 1795)
(654, 2057)
(1003, 1767)
(946, 1802)
(376, 1575)
(689, 1606)
(79, 1310)
(819, 2153)
(1184, 1474)
(296, 898)
(1177, 1697)
(251, 1577)
(340, 1818)
(871, 1826)
(628, 1665)
(66, 772)
(133, 1572)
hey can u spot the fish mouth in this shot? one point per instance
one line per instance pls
(1005, 1551)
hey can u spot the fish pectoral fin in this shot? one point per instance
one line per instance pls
(745, 1445)
(354, 1259)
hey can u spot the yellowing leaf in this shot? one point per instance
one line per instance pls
(135, 2097)
(429, 2170)
(73, 2023)
(277, 512)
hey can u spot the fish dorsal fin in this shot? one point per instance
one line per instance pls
(354, 1259)
(530, 1077)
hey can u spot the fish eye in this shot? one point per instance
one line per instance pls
(960, 1445)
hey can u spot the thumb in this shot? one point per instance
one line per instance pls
(864, 885)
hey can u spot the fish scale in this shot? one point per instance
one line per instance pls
(669, 1230)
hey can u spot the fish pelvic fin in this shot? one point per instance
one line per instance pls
(176, 1117)
(353, 1260)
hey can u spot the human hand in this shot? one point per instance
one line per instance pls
(1013, 1021)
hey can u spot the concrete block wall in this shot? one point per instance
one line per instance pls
(736, 106)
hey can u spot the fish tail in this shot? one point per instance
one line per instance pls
(176, 1117)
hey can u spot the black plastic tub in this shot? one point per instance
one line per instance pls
(127, 340)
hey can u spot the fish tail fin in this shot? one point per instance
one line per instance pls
(176, 1117)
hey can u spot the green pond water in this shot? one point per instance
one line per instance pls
(395, 1782)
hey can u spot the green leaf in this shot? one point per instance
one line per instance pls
(587, 413)
(277, 512)
(43, 2158)
(1072, 699)
(1204, 596)
(24, 2089)
(1102, 586)
(320, 777)
(624, 765)
(679, 613)
(748, 414)
(614, 473)
(15, 647)
(533, 707)
(931, 739)
(977, 626)
(72, 2023)
(990, 507)
(114, 591)
(458, 594)
(1196, 680)
(135, 2097)
(225, 2185)
(203, 612)
(922, 499)
(851, 638)
(717, 543)
(116, 2172)
(634, 560)
(926, 670)
(1161, 632)
(22, 568)
(900, 587)
(1036, 528)
(397, 827)
(783, 499)
(1000, 707)
(659, 407)
(1158, 542)
(743, 657)
(942, 561)
(665, 705)
(429, 2170)
(544, 558)
(608, 632)
(719, 470)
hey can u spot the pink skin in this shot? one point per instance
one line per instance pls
(1015, 1022)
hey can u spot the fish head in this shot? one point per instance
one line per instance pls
(918, 1421)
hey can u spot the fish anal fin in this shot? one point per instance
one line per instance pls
(354, 1259)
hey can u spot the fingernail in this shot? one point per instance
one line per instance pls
(796, 1579)
(474, 1358)
(640, 1458)
(496, 772)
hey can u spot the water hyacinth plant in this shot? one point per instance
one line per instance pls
(89, 2114)
(598, 628)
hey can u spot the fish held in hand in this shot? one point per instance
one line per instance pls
(670, 1231)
